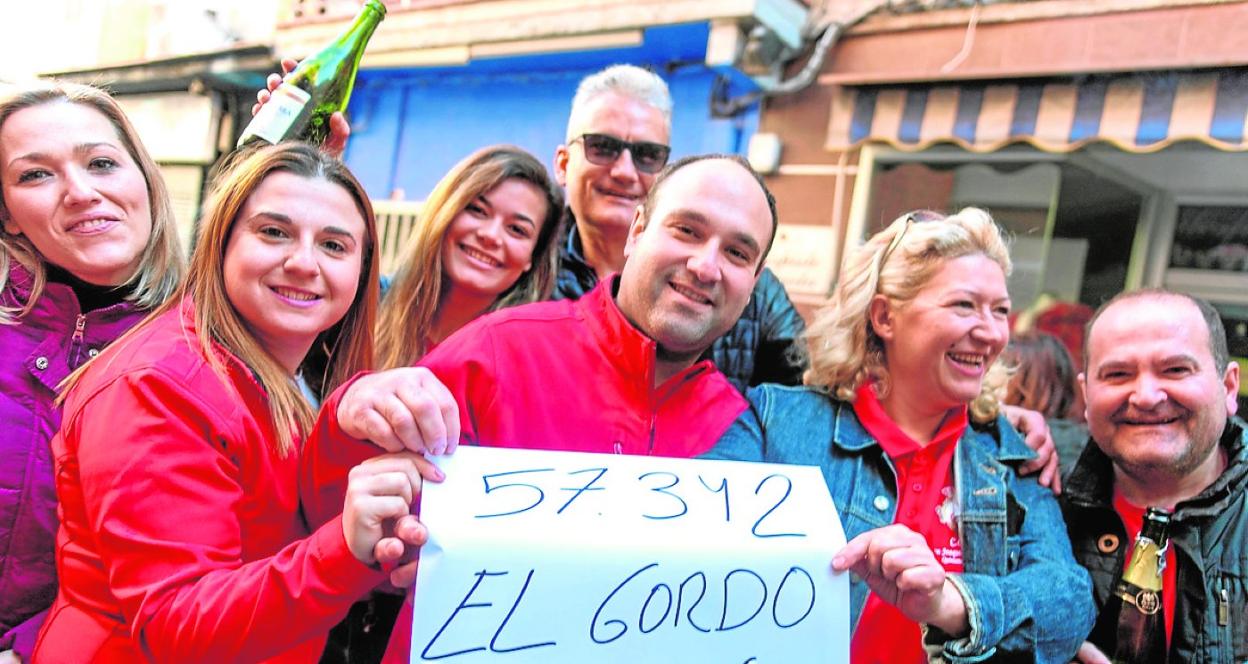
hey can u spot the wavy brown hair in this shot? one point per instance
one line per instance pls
(162, 264)
(897, 262)
(412, 304)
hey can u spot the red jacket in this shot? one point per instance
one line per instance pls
(573, 376)
(577, 376)
(182, 536)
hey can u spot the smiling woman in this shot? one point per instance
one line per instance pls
(188, 497)
(904, 380)
(86, 248)
(485, 240)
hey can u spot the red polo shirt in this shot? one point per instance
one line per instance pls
(927, 504)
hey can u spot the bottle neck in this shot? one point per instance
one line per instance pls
(363, 26)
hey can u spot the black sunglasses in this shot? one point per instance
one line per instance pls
(604, 149)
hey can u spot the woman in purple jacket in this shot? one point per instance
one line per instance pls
(87, 246)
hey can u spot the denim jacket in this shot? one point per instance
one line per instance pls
(1026, 597)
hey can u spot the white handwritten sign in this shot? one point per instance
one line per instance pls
(565, 557)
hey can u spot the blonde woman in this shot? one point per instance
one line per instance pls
(192, 525)
(900, 410)
(87, 248)
(485, 241)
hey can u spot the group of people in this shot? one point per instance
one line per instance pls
(234, 444)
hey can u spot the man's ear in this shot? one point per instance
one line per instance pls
(561, 165)
(635, 230)
(1230, 380)
(880, 316)
(1081, 384)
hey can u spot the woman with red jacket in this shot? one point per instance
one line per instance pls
(189, 503)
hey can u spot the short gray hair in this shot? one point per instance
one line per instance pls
(628, 80)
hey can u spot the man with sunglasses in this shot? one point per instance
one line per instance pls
(617, 142)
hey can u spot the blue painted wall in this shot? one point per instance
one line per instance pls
(409, 126)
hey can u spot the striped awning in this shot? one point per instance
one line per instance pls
(1136, 112)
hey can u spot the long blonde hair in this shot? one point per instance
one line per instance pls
(162, 263)
(845, 352)
(347, 344)
(412, 304)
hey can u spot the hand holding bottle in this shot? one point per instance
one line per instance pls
(339, 129)
(302, 106)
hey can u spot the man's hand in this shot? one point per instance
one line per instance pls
(379, 491)
(1090, 654)
(1035, 432)
(339, 131)
(897, 564)
(401, 409)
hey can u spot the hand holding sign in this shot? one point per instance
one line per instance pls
(378, 491)
(899, 566)
(564, 557)
(401, 409)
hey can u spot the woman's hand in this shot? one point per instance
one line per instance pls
(897, 564)
(401, 409)
(380, 492)
(400, 554)
(9, 657)
(339, 131)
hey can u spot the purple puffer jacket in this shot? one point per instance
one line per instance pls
(36, 354)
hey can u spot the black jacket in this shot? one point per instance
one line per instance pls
(763, 347)
(1210, 536)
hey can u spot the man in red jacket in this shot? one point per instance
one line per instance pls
(614, 372)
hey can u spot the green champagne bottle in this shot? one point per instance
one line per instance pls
(1141, 618)
(321, 85)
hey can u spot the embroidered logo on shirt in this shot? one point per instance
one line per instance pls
(947, 510)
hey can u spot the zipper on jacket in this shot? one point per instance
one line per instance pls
(1224, 604)
(650, 452)
(75, 343)
(79, 326)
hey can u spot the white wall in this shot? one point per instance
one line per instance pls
(58, 35)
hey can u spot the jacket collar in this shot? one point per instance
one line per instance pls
(849, 434)
(628, 349)
(1091, 483)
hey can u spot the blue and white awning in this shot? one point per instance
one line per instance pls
(1136, 112)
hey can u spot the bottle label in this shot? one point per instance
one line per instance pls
(1147, 601)
(275, 118)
